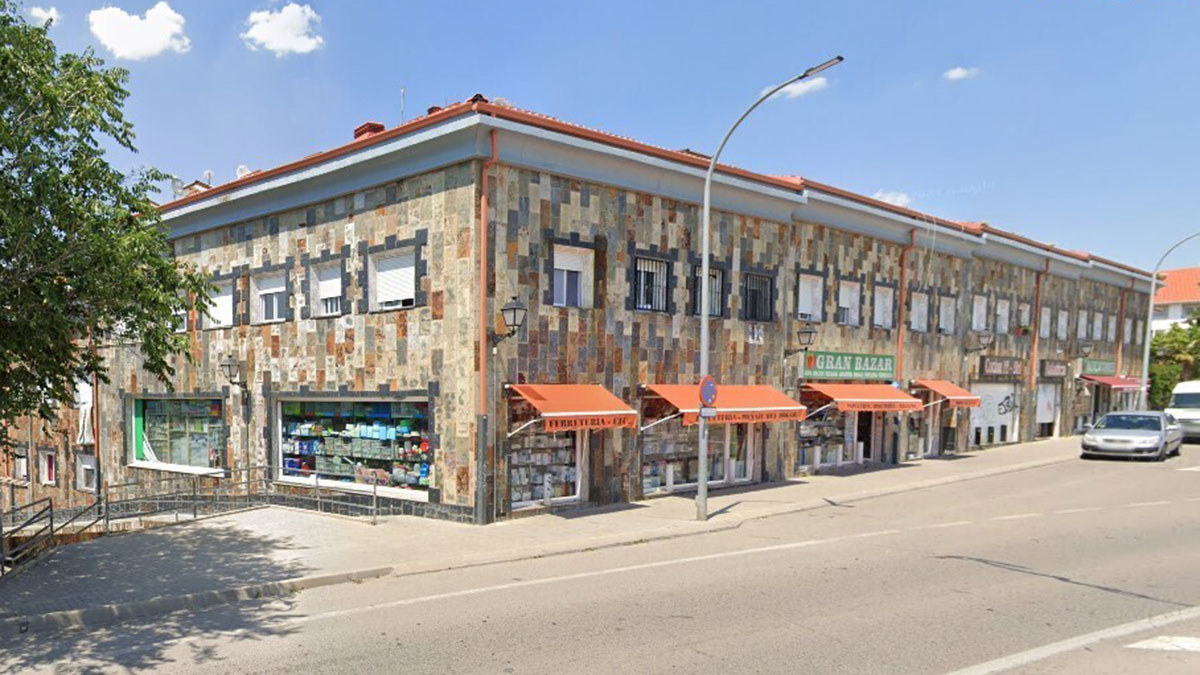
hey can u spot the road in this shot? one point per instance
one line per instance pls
(928, 581)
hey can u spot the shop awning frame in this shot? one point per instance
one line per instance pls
(954, 395)
(1118, 382)
(866, 397)
(744, 403)
(573, 407)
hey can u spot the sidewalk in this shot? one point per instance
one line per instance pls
(273, 551)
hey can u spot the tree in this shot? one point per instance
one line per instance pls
(82, 254)
(1175, 357)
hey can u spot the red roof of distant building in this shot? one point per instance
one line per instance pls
(1181, 285)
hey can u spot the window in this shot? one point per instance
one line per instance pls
(1044, 322)
(1098, 326)
(650, 284)
(759, 295)
(181, 316)
(1003, 311)
(20, 467)
(179, 432)
(220, 313)
(918, 319)
(1064, 319)
(979, 313)
(946, 315)
(1081, 325)
(395, 280)
(885, 306)
(810, 297)
(572, 268)
(716, 291)
(327, 291)
(270, 293)
(1024, 314)
(1127, 335)
(1140, 333)
(849, 303)
(85, 472)
(47, 467)
(1112, 327)
(83, 401)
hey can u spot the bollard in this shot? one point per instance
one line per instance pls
(195, 513)
(374, 500)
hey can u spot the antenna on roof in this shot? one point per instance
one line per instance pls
(242, 170)
(401, 105)
(177, 187)
(208, 176)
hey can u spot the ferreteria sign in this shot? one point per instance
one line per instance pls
(585, 422)
(844, 366)
(1099, 367)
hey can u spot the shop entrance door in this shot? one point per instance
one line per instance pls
(866, 437)
(741, 441)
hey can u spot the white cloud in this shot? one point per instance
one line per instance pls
(798, 89)
(960, 73)
(44, 15)
(892, 197)
(291, 30)
(133, 37)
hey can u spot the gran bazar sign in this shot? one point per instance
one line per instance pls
(846, 366)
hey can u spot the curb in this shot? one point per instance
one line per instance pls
(106, 614)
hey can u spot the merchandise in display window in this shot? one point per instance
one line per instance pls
(669, 459)
(384, 443)
(542, 466)
(180, 432)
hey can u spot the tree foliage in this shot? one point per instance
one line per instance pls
(1175, 358)
(82, 254)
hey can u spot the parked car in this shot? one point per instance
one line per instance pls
(1151, 434)
(1185, 407)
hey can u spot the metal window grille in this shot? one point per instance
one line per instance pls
(650, 289)
(716, 291)
(758, 298)
(331, 305)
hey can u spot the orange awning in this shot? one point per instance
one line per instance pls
(736, 403)
(570, 407)
(1114, 381)
(955, 396)
(867, 397)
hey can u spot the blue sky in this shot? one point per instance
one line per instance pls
(1077, 125)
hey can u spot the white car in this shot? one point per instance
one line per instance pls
(1185, 407)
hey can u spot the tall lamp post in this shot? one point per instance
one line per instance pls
(1144, 398)
(702, 482)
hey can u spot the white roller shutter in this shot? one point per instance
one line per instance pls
(272, 283)
(221, 312)
(569, 259)
(329, 282)
(395, 279)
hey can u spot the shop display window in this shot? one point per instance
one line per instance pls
(669, 457)
(541, 465)
(385, 443)
(180, 432)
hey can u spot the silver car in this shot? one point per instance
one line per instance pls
(1148, 434)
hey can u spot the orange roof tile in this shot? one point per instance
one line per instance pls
(1181, 285)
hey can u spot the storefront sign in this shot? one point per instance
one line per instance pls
(743, 417)
(590, 422)
(845, 366)
(1099, 367)
(1001, 366)
(1054, 369)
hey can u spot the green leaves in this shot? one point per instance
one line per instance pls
(1175, 357)
(82, 254)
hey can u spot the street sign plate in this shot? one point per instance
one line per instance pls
(707, 412)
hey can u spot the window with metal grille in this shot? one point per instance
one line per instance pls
(328, 289)
(650, 284)
(758, 298)
(716, 291)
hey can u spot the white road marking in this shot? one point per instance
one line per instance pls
(583, 575)
(1190, 468)
(1137, 504)
(1085, 509)
(1169, 643)
(938, 526)
(1017, 516)
(1054, 649)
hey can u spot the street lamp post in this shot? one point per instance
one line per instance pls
(1144, 398)
(702, 482)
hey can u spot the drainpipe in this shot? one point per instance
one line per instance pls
(1036, 328)
(1121, 327)
(900, 329)
(481, 460)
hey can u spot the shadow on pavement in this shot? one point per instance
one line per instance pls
(135, 567)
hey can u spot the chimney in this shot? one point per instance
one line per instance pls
(432, 109)
(367, 129)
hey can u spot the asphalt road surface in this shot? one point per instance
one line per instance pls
(1045, 570)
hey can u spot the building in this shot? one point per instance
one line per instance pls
(359, 317)
(1177, 298)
